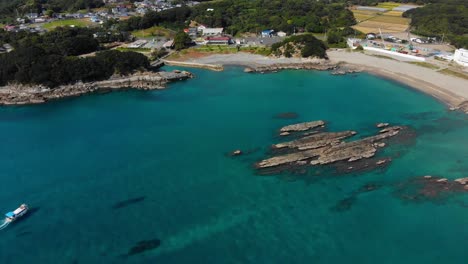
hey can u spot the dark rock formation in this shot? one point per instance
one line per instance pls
(143, 246)
(128, 202)
(430, 188)
(346, 203)
(23, 95)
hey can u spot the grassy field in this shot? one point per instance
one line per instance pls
(394, 13)
(388, 5)
(362, 15)
(154, 32)
(388, 24)
(389, 21)
(83, 22)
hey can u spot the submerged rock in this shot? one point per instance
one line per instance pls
(430, 188)
(143, 246)
(128, 202)
(236, 152)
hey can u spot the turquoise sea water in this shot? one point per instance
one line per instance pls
(75, 160)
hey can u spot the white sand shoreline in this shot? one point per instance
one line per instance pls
(449, 89)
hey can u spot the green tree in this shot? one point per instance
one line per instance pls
(182, 40)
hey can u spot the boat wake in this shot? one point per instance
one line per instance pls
(4, 224)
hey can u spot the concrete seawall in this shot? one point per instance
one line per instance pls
(213, 67)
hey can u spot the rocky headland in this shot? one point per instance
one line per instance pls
(16, 94)
(315, 148)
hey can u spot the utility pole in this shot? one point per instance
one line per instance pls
(381, 37)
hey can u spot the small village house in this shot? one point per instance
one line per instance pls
(212, 31)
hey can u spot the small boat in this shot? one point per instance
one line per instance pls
(20, 211)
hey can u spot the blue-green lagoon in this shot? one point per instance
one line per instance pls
(104, 172)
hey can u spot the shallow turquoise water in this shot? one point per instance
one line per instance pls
(75, 159)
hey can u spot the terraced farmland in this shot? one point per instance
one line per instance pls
(388, 22)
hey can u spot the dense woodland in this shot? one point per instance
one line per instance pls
(375, 2)
(51, 59)
(238, 16)
(448, 19)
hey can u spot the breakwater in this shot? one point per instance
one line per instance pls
(292, 66)
(213, 67)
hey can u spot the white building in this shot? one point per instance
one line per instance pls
(461, 57)
(281, 34)
(212, 31)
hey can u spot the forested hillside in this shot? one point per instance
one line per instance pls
(50, 59)
(448, 19)
(375, 2)
(239, 16)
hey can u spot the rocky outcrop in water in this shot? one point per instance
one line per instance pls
(302, 126)
(430, 188)
(23, 95)
(323, 148)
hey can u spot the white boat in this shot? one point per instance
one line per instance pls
(20, 211)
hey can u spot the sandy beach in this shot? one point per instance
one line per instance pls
(449, 89)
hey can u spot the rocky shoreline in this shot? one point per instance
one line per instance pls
(320, 66)
(25, 95)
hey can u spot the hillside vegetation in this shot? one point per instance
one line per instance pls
(300, 46)
(449, 19)
(238, 16)
(51, 59)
